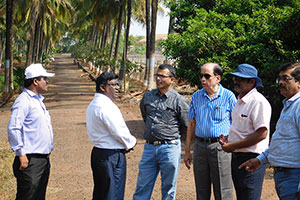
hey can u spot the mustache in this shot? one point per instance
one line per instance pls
(237, 85)
(281, 86)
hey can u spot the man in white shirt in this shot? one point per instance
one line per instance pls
(249, 132)
(30, 135)
(111, 138)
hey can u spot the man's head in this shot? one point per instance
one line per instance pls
(107, 83)
(36, 78)
(289, 79)
(165, 76)
(210, 76)
(245, 79)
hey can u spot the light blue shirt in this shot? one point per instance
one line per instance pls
(212, 115)
(29, 127)
(284, 150)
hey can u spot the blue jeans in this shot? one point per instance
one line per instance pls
(109, 174)
(247, 185)
(164, 158)
(286, 184)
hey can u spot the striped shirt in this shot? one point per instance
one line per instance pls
(212, 115)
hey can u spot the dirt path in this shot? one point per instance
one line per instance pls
(69, 94)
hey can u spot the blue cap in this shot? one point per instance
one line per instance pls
(247, 71)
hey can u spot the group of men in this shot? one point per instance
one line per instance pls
(230, 136)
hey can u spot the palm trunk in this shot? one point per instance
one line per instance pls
(120, 20)
(8, 82)
(112, 42)
(146, 76)
(34, 17)
(122, 74)
(152, 45)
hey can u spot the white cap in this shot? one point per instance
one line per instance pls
(36, 70)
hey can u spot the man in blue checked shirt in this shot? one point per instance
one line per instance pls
(30, 135)
(284, 151)
(209, 115)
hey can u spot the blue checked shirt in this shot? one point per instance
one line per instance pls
(285, 143)
(212, 116)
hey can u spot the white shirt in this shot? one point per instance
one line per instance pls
(106, 126)
(29, 127)
(251, 112)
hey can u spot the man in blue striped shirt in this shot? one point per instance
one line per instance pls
(283, 153)
(209, 115)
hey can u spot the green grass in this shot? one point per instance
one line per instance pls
(7, 179)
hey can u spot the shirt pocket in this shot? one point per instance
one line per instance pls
(168, 114)
(242, 124)
(219, 113)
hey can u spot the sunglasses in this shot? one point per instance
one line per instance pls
(206, 76)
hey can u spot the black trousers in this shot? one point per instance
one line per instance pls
(32, 181)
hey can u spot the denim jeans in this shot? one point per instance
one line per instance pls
(164, 158)
(287, 183)
(248, 186)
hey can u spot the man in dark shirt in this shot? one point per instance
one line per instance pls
(165, 114)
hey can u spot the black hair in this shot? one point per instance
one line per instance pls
(169, 67)
(104, 78)
(292, 65)
(28, 82)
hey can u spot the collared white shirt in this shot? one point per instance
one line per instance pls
(251, 112)
(106, 126)
(29, 127)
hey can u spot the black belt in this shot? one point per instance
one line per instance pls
(37, 155)
(117, 150)
(281, 169)
(159, 142)
(208, 140)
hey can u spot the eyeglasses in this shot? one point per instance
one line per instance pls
(161, 76)
(113, 84)
(206, 76)
(237, 78)
(284, 78)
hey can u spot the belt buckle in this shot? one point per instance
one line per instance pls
(155, 143)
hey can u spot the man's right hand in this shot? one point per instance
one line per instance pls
(23, 162)
(188, 159)
(251, 165)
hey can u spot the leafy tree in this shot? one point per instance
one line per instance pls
(230, 32)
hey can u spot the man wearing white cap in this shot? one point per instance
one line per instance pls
(30, 135)
(249, 132)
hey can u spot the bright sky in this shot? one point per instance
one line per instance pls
(162, 25)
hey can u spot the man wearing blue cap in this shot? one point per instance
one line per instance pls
(249, 132)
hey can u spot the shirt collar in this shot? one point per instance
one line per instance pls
(288, 102)
(218, 93)
(32, 94)
(167, 94)
(247, 97)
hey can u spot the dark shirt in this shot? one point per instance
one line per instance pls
(165, 115)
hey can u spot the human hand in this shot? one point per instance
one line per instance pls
(23, 162)
(188, 159)
(250, 165)
(223, 140)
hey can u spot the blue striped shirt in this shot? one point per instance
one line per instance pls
(212, 115)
